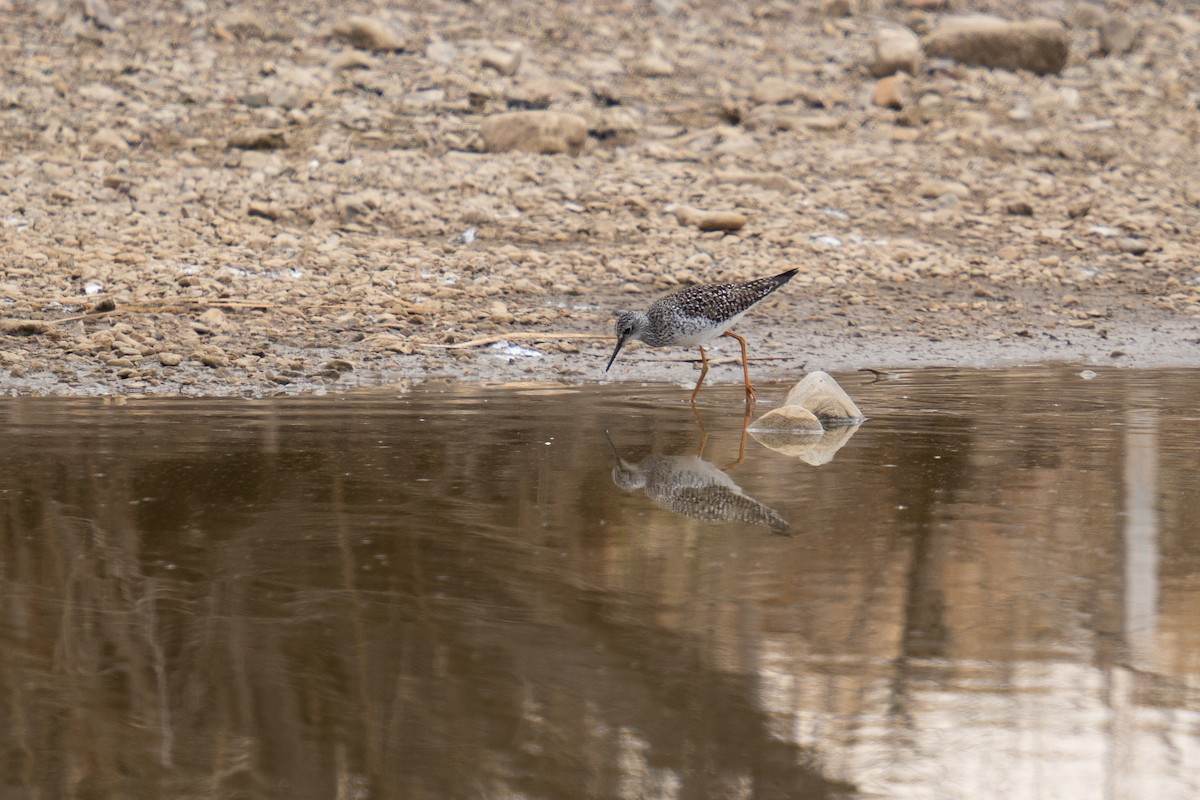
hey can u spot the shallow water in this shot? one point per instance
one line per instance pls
(989, 590)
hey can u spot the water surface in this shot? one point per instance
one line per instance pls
(989, 590)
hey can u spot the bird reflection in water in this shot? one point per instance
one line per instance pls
(694, 487)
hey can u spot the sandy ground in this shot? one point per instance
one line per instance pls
(206, 199)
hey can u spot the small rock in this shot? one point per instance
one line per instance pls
(1129, 244)
(772, 89)
(780, 183)
(932, 188)
(98, 13)
(358, 204)
(242, 23)
(211, 356)
(170, 359)
(108, 139)
(368, 33)
(895, 50)
(652, 65)
(256, 98)
(1038, 45)
(504, 60)
(441, 52)
(1117, 34)
(534, 132)
(353, 59)
(1019, 208)
(889, 92)
(25, 327)
(214, 318)
(839, 8)
(1085, 16)
(819, 393)
(1080, 208)
(257, 139)
(727, 221)
(264, 210)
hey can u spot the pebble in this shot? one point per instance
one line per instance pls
(652, 65)
(725, 221)
(534, 132)
(169, 359)
(1134, 246)
(773, 181)
(839, 8)
(889, 92)
(1019, 208)
(776, 90)
(109, 139)
(441, 52)
(931, 188)
(257, 139)
(1117, 34)
(368, 33)
(1038, 45)
(353, 59)
(895, 50)
(506, 61)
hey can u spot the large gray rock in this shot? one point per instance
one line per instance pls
(819, 393)
(1038, 45)
(534, 132)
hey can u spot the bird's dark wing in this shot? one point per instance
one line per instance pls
(720, 301)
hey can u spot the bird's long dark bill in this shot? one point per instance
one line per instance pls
(620, 343)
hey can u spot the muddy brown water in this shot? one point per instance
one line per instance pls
(989, 590)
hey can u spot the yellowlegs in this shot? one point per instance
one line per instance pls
(697, 315)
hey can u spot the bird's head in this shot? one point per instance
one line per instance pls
(630, 325)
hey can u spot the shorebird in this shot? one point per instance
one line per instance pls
(695, 316)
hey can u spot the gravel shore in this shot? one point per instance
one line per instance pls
(210, 199)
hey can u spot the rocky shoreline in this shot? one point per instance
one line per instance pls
(210, 200)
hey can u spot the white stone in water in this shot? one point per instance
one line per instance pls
(824, 397)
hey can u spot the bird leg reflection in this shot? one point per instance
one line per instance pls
(703, 372)
(745, 429)
(741, 456)
(745, 366)
(700, 425)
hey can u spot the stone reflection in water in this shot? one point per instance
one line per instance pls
(693, 487)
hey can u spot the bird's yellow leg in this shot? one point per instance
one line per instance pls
(703, 372)
(745, 365)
